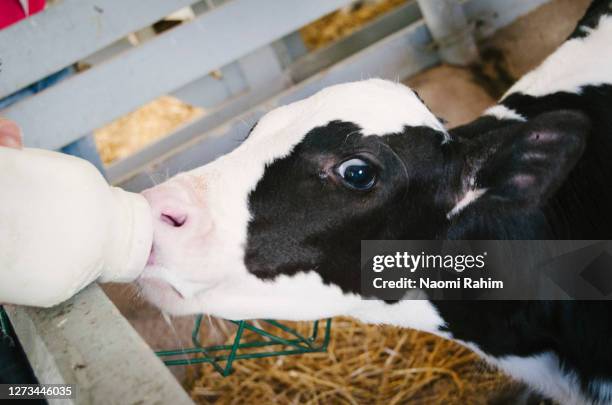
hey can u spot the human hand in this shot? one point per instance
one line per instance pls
(10, 134)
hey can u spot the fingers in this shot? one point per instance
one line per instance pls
(10, 134)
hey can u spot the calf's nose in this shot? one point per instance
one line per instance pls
(171, 206)
(173, 218)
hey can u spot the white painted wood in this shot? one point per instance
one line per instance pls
(209, 91)
(62, 113)
(262, 68)
(68, 31)
(395, 57)
(87, 342)
(290, 48)
(104, 54)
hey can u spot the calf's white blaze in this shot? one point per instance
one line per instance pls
(501, 112)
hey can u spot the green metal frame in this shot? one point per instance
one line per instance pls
(239, 350)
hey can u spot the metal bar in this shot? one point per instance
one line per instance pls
(327, 334)
(68, 31)
(86, 341)
(450, 29)
(213, 361)
(217, 348)
(277, 339)
(195, 334)
(397, 56)
(122, 84)
(315, 331)
(232, 354)
(289, 330)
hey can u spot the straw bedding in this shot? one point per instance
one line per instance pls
(139, 128)
(341, 23)
(365, 364)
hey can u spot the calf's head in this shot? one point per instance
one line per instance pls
(273, 229)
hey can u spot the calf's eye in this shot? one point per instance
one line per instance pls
(357, 174)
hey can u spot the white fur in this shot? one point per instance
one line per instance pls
(604, 388)
(502, 112)
(543, 373)
(468, 198)
(576, 63)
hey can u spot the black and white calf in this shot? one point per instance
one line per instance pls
(273, 229)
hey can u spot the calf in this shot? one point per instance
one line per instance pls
(273, 229)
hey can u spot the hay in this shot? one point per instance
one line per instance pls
(365, 364)
(139, 128)
(341, 23)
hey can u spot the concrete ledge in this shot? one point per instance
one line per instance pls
(86, 341)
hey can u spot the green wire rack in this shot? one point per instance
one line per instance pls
(223, 356)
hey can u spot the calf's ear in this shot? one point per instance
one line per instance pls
(529, 163)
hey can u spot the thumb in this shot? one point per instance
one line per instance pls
(10, 134)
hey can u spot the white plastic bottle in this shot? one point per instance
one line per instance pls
(62, 227)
